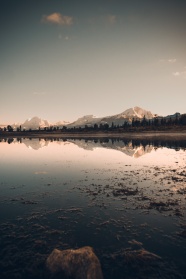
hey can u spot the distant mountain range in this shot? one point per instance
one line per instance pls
(117, 119)
(89, 120)
(36, 123)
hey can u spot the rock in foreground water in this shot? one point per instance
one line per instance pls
(77, 264)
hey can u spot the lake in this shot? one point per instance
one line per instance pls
(124, 198)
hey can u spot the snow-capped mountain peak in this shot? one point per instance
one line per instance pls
(60, 124)
(34, 123)
(90, 120)
(118, 119)
(136, 112)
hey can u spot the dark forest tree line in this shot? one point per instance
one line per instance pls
(161, 122)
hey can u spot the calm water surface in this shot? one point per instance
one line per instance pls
(118, 197)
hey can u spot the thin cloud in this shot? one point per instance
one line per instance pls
(180, 74)
(176, 74)
(171, 60)
(57, 18)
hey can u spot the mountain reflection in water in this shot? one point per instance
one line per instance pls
(134, 148)
(70, 193)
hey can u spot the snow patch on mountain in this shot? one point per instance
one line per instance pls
(88, 120)
(34, 123)
(60, 124)
(136, 112)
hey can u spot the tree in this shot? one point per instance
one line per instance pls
(106, 126)
(176, 120)
(170, 121)
(156, 121)
(144, 121)
(162, 121)
(9, 128)
(137, 123)
(100, 126)
(95, 126)
(125, 125)
(182, 120)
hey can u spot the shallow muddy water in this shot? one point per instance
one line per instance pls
(125, 199)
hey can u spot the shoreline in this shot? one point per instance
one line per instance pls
(179, 135)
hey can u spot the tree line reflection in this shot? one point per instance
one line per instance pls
(104, 142)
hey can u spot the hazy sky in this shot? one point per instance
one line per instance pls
(62, 59)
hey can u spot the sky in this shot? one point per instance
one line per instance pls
(63, 59)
